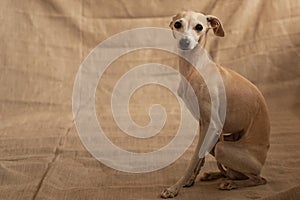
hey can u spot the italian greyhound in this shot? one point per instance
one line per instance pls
(244, 142)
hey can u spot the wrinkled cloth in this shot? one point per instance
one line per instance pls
(43, 43)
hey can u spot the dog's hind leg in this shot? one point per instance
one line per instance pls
(214, 175)
(253, 180)
(241, 159)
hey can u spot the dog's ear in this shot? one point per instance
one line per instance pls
(216, 25)
(172, 21)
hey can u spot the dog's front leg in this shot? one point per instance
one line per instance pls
(174, 189)
(191, 181)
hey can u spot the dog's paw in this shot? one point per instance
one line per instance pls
(169, 193)
(228, 185)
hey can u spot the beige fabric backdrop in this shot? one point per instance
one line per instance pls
(42, 44)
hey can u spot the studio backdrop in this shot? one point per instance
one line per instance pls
(42, 46)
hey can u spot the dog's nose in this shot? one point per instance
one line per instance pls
(184, 43)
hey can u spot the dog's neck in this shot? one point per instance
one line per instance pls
(196, 57)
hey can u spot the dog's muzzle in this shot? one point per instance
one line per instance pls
(184, 43)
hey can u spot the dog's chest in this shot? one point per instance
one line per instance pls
(192, 92)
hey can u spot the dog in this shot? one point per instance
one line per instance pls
(244, 142)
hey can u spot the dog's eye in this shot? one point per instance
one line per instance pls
(198, 27)
(177, 25)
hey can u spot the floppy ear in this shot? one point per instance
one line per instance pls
(174, 18)
(216, 25)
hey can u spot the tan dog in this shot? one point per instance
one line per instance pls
(243, 147)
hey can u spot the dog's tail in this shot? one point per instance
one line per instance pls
(220, 167)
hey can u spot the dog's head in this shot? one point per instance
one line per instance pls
(189, 27)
